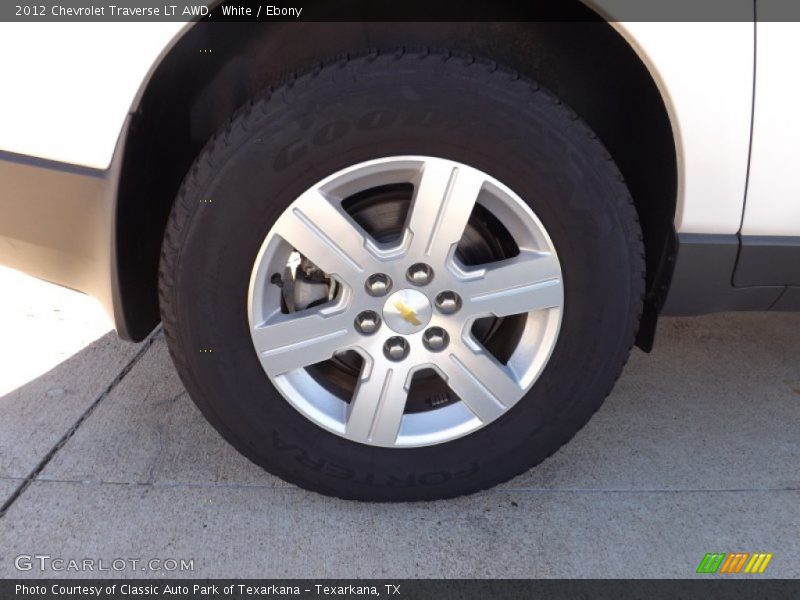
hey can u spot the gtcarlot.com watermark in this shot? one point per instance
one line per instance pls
(45, 563)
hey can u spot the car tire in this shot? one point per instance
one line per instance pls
(357, 109)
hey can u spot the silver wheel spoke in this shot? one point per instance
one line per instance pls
(443, 201)
(482, 383)
(376, 410)
(325, 235)
(290, 342)
(531, 281)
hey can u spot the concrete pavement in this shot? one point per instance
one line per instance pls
(696, 450)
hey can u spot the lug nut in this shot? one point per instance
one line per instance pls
(395, 348)
(419, 274)
(435, 339)
(367, 322)
(448, 302)
(378, 284)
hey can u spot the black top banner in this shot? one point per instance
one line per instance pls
(399, 589)
(399, 10)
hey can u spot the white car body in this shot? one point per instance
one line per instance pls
(705, 72)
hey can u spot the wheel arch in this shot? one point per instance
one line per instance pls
(213, 68)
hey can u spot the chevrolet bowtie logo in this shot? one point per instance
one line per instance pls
(408, 315)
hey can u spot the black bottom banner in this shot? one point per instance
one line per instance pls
(406, 589)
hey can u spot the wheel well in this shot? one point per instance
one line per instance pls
(191, 94)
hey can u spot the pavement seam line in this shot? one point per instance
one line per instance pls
(27, 481)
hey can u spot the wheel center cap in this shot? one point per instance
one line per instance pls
(407, 311)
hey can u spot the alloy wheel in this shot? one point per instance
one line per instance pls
(323, 288)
